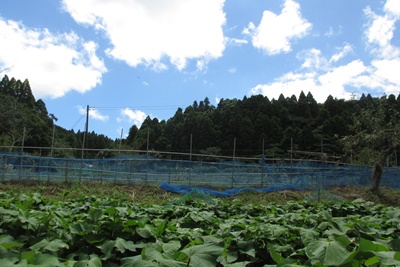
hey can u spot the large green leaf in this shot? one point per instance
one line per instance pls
(327, 252)
(121, 245)
(10, 212)
(95, 214)
(308, 235)
(160, 228)
(53, 245)
(12, 263)
(29, 256)
(389, 258)
(171, 247)
(275, 255)
(46, 260)
(203, 255)
(336, 228)
(81, 228)
(372, 246)
(7, 242)
(247, 247)
(395, 244)
(137, 261)
(146, 231)
(154, 255)
(93, 261)
(238, 264)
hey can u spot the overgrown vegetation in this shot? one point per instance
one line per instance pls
(94, 231)
(153, 195)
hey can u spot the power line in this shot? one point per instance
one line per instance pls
(5, 69)
(80, 118)
(139, 107)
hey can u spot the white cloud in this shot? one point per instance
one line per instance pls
(321, 85)
(217, 99)
(342, 53)
(338, 81)
(54, 63)
(156, 66)
(338, 78)
(313, 59)
(232, 70)
(393, 7)
(93, 113)
(275, 33)
(236, 41)
(201, 65)
(379, 33)
(132, 116)
(324, 77)
(291, 84)
(386, 75)
(147, 32)
(331, 32)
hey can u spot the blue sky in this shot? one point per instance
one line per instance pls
(128, 59)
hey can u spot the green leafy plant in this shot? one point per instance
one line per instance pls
(93, 231)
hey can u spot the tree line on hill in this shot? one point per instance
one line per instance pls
(355, 131)
(360, 131)
(25, 121)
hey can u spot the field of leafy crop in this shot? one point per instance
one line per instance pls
(92, 231)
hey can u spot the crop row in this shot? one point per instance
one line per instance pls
(108, 232)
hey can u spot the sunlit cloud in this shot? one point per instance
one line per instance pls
(93, 113)
(132, 116)
(342, 53)
(275, 33)
(54, 63)
(155, 32)
(340, 77)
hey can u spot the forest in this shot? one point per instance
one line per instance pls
(359, 130)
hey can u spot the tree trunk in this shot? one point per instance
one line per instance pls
(378, 169)
(376, 177)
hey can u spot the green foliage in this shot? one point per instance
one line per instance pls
(92, 231)
(373, 133)
(341, 129)
(23, 118)
(253, 121)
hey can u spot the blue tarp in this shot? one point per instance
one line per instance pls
(184, 189)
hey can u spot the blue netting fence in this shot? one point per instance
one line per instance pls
(136, 169)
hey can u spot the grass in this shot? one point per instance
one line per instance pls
(152, 194)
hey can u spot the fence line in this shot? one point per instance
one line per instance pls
(154, 167)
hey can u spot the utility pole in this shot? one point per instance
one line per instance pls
(84, 142)
(148, 140)
(291, 150)
(191, 141)
(87, 124)
(234, 148)
(52, 141)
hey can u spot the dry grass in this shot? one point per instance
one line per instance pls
(152, 194)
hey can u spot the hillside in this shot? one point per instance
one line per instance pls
(250, 127)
